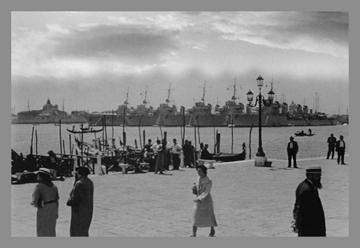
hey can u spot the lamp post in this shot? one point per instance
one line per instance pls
(260, 159)
(260, 83)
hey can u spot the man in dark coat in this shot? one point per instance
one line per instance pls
(340, 148)
(82, 203)
(308, 213)
(292, 149)
(331, 146)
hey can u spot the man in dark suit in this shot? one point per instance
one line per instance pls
(331, 146)
(308, 212)
(292, 149)
(340, 148)
(81, 202)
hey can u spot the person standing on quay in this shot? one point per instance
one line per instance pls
(331, 146)
(160, 157)
(292, 149)
(81, 202)
(45, 198)
(308, 212)
(204, 215)
(175, 153)
(340, 148)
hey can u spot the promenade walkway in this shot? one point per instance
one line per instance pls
(249, 201)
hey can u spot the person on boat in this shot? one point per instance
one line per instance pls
(205, 154)
(148, 146)
(175, 151)
(81, 201)
(292, 149)
(310, 131)
(340, 148)
(331, 146)
(308, 212)
(149, 155)
(204, 215)
(45, 198)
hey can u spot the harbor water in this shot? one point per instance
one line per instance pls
(274, 139)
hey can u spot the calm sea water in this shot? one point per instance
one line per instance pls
(275, 139)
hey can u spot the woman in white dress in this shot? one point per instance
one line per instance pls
(204, 215)
(46, 199)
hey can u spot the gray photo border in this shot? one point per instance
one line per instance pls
(191, 5)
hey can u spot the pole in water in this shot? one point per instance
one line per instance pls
(112, 124)
(36, 143)
(140, 139)
(63, 143)
(232, 134)
(70, 150)
(198, 130)
(144, 138)
(218, 138)
(32, 140)
(195, 136)
(60, 140)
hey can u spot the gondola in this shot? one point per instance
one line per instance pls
(84, 130)
(229, 157)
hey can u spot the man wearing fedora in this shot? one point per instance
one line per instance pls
(82, 202)
(292, 149)
(308, 213)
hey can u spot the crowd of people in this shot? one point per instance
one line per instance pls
(308, 213)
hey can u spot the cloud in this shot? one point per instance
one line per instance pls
(321, 32)
(90, 48)
(124, 42)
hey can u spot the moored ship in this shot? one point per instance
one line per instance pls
(169, 115)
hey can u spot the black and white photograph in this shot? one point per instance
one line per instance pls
(186, 124)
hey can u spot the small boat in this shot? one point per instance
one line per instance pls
(84, 130)
(229, 157)
(231, 125)
(303, 134)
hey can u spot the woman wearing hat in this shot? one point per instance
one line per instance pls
(45, 198)
(81, 201)
(204, 215)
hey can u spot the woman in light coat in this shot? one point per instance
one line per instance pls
(204, 215)
(46, 199)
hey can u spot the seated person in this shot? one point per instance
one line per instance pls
(205, 154)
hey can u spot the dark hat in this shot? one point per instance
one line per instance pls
(82, 170)
(44, 171)
(291, 137)
(51, 152)
(313, 169)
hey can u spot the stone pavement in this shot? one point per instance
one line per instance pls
(249, 201)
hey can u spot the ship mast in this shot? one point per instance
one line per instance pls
(168, 96)
(126, 102)
(145, 101)
(233, 98)
(203, 95)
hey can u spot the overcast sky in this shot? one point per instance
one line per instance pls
(90, 59)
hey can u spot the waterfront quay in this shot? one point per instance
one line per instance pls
(249, 202)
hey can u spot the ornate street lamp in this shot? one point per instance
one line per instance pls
(260, 83)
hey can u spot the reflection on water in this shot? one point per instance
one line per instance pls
(275, 139)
